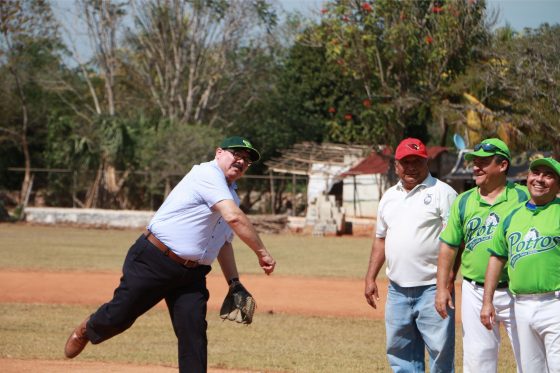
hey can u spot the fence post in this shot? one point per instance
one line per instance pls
(74, 187)
(272, 196)
(293, 195)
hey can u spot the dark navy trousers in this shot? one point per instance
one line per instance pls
(148, 277)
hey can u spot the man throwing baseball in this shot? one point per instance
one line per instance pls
(528, 239)
(171, 259)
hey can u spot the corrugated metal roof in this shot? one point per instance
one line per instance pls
(378, 162)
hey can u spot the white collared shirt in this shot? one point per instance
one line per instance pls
(411, 223)
(186, 223)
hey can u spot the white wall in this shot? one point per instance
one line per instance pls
(321, 179)
(360, 199)
(89, 217)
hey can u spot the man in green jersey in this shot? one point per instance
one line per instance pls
(529, 240)
(472, 222)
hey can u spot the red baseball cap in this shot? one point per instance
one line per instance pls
(411, 146)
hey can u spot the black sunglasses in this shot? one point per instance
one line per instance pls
(489, 148)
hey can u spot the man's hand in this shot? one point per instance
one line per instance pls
(371, 293)
(447, 260)
(487, 315)
(267, 263)
(493, 270)
(443, 300)
(376, 260)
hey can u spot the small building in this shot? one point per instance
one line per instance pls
(365, 183)
(322, 164)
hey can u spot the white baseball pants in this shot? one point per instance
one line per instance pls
(538, 327)
(480, 345)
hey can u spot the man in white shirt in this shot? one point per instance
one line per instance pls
(410, 217)
(171, 259)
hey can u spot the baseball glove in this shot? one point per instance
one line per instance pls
(239, 305)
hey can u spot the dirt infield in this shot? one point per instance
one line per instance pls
(292, 295)
(304, 296)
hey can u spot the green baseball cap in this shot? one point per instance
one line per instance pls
(549, 162)
(238, 142)
(488, 148)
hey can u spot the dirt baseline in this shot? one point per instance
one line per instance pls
(296, 295)
(279, 294)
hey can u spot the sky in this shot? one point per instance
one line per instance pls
(526, 13)
(518, 13)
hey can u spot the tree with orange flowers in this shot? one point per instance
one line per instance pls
(405, 54)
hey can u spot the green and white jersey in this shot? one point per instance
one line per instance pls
(530, 238)
(473, 221)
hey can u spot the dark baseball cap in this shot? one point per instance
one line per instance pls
(489, 148)
(411, 146)
(238, 142)
(548, 162)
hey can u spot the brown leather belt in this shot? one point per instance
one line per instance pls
(167, 252)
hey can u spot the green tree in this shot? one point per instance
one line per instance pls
(522, 85)
(100, 129)
(29, 47)
(170, 151)
(403, 54)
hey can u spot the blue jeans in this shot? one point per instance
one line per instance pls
(412, 324)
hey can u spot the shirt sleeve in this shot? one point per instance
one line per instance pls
(499, 243)
(446, 202)
(211, 186)
(453, 232)
(380, 225)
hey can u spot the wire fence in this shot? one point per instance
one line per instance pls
(263, 194)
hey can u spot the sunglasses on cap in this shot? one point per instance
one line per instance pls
(489, 148)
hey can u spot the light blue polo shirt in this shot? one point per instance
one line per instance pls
(185, 221)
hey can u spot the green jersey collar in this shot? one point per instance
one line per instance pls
(504, 196)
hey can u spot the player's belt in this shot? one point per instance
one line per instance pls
(501, 285)
(538, 296)
(167, 252)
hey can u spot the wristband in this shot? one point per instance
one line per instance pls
(232, 280)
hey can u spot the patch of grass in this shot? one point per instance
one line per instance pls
(26, 246)
(298, 255)
(56, 248)
(273, 342)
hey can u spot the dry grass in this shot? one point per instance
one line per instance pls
(67, 248)
(272, 343)
(276, 342)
